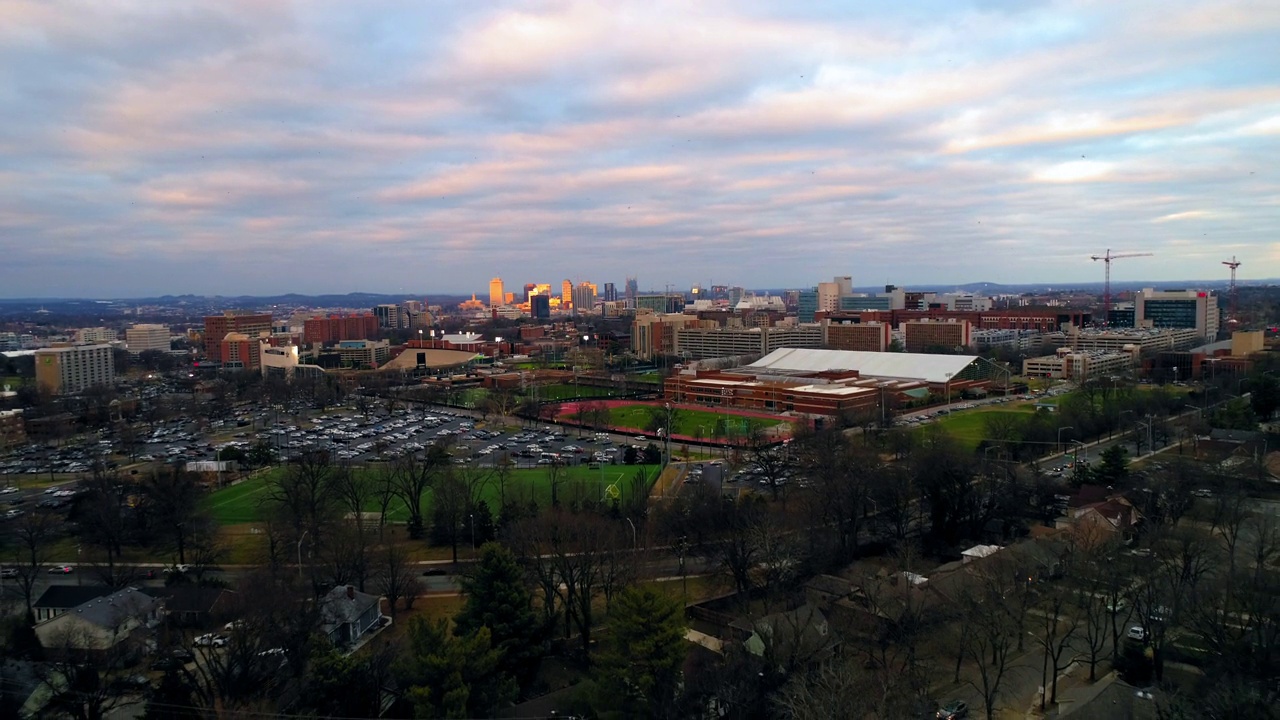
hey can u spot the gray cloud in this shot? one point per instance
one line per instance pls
(256, 147)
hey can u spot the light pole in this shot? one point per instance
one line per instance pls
(1082, 447)
(1058, 447)
(633, 534)
(948, 384)
(300, 539)
(666, 437)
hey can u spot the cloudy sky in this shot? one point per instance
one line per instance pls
(249, 146)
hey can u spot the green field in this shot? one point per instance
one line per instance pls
(690, 423)
(247, 501)
(566, 391)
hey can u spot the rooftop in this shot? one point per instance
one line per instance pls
(923, 366)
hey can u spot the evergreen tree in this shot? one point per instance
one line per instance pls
(498, 599)
(640, 672)
(447, 676)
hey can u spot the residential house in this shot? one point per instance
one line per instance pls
(793, 641)
(101, 625)
(58, 599)
(1113, 517)
(348, 614)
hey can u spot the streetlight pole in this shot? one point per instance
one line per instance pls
(300, 539)
(1058, 447)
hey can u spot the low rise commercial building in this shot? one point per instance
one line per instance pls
(13, 431)
(285, 361)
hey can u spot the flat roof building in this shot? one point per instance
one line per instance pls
(923, 335)
(698, 343)
(75, 368)
(216, 328)
(859, 337)
(143, 337)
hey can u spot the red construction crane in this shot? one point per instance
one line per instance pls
(1233, 263)
(1106, 288)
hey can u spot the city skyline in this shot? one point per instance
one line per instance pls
(258, 148)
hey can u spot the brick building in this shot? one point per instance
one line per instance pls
(216, 328)
(924, 335)
(864, 337)
(337, 328)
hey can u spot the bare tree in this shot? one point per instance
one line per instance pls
(415, 475)
(31, 535)
(397, 579)
(1056, 630)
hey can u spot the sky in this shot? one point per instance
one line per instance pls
(259, 147)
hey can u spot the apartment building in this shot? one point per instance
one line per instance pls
(74, 368)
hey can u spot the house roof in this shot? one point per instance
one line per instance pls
(919, 366)
(107, 611)
(344, 604)
(1118, 513)
(65, 597)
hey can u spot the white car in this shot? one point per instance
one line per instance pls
(9, 490)
(1137, 632)
(211, 640)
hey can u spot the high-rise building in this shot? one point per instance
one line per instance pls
(845, 283)
(1195, 309)
(807, 305)
(529, 289)
(497, 296)
(566, 295)
(632, 290)
(143, 337)
(584, 299)
(388, 316)
(540, 307)
(216, 328)
(828, 296)
(610, 293)
(75, 368)
(96, 335)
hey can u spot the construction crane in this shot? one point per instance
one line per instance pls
(1233, 263)
(1106, 288)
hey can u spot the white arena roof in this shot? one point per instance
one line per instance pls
(916, 366)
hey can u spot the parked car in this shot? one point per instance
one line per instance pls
(1137, 632)
(60, 570)
(954, 710)
(8, 573)
(210, 640)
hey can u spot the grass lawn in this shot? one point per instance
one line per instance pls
(969, 427)
(691, 423)
(246, 502)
